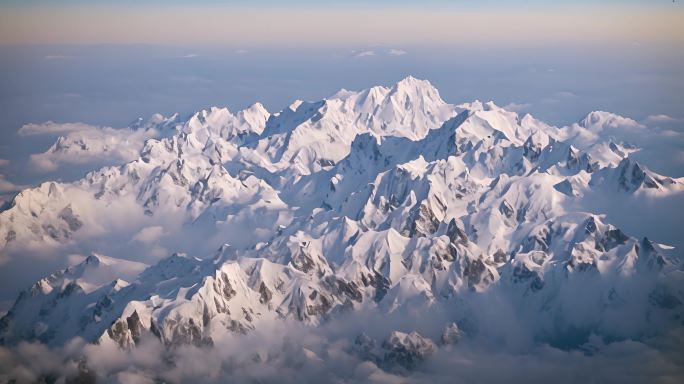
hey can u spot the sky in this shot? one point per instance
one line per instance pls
(294, 24)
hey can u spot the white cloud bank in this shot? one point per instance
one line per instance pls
(52, 128)
(292, 352)
(378, 52)
(81, 143)
(660, 119)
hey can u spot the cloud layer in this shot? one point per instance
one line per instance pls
(88, 144)
(291, 352)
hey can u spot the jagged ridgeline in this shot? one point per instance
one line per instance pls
(379, 200)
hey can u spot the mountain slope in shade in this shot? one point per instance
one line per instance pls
(385, 200)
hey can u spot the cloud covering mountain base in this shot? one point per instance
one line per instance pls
(291, 352)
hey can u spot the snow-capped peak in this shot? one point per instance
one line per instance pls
(410, 84)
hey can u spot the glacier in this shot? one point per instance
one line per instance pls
(395, 224)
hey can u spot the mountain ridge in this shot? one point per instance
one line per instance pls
(387, 199)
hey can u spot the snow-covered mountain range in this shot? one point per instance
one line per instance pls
(385, 200)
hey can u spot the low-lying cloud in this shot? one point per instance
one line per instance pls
(55, 129)
(81, 144)
(289, 352)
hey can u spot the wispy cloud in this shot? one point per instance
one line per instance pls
(57, 57)
(189, 56)
(366, 53)
(396, 52)
(377, 52)
(660, 119)
(517, 107)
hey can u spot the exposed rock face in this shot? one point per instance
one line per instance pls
(451, 334)
(126, 333)
(399, 351)
(407, 350)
